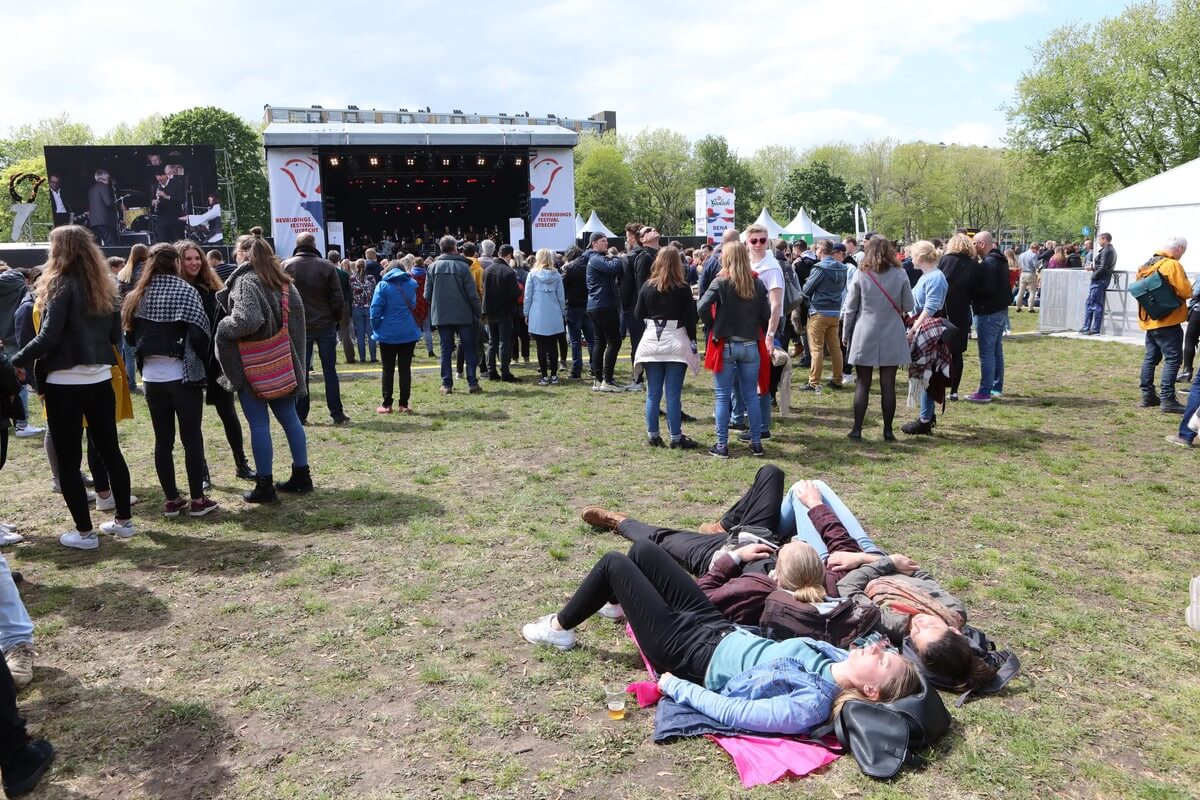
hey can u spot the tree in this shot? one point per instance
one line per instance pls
(664, 179)
(826, 197)
(603, 181)
(717, 165)
(27, 141)
(228, 132)
(771, 165)
(146, 130)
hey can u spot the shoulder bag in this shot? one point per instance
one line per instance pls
(907, 319)
(267, 363)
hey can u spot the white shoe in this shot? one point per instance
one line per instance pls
(1193, 611)
(612, 611)
(121, 529)
(635, 387)
(610, 387)
(8, 527)
(27, 431)
(110, 503)
(78, 541)
(540, 632)
(595, 386)
(8, 537)
(847, 380)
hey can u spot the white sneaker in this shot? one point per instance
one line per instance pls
(78, 541)
(610, 387)
(7, 526)
(121, 529)
(540, 632)
(595, 386)
(1193, 611)
(847, 380)
(612, 611)
(635, 387)
(8, 537)
(27, 431)
(110, 503)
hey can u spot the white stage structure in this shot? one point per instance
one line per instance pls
(594, 225)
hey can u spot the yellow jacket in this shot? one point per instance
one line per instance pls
(1172, 273)
(477, 274)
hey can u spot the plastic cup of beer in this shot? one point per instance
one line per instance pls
(614, 699)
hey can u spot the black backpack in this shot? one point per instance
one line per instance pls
(10, 403)
(784, 617)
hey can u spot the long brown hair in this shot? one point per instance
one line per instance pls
(74, 253)
(735, 265)
(879, 255)
(207, 277)
(137, 254)
(667, 271)
(266, 265)
(164, 260)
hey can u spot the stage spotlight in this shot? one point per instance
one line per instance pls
(518, 161)
(480, 161)
(334, 161)
(373, 161)
(445, 162)
(410, 162)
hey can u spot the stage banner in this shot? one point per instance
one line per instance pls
(716, 204)
(294, 180)
(552, 197)
(516, 231)
(336, 235)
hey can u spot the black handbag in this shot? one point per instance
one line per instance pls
(883, 737)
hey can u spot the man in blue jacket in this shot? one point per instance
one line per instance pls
(603, 309)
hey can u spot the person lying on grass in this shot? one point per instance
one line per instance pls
(811, 513)
(707, 663)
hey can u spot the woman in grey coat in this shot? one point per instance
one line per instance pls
(877, 304)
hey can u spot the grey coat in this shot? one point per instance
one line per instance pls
(873, 326)
(255, 314)
(892, 624)
(451, 292)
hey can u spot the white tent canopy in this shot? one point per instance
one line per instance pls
(803, 225)
(578, 225)
(1142, 217)
(767, 221)
(594, 225)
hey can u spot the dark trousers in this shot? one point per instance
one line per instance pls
(66, 408)
(12, 724)
(1190, 337)
(226, 407)
(562, 346)
(606, 324)
(326, 342)
(676, 625)
(106, 235)
(579, 330)
(500, 334)
(520, 338)
(1093, 308)
(636, 328)
(547, 353)
(466, 339)
(167, 402)
(397, 357)
(1166, 345)
(480, 351)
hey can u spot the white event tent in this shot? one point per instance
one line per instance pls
(1143, 216)
(594, 225)
(803, 227)
(773, 228)
(579, 223)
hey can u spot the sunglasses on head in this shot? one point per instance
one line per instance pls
(756, 240)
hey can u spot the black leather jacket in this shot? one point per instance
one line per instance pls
(70, 335)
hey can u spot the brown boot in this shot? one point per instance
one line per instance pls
(598, 517)
(712, 527)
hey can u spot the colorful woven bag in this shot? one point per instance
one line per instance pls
(267, 363)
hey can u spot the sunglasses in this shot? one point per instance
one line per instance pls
(756, 240)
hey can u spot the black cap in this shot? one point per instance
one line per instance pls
(596, 237)
(838, 247)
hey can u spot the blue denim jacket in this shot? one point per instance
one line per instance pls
(826, 288)
(777, 696)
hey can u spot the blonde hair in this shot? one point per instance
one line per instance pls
(543, 260)
(960, 244)
(137, 254)
(799, 570)
(754, 227)
(409, 261)
(735, 265)
(924, 252)
(902, 685)
(360, 267)
(73, 252)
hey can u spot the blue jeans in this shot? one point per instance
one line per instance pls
(793, 518)
(928, 407)
(740, 365)
(15, 625)
(990, 330)
(579, 326)
(668, 375)
(466, 340)
(1193, 403)
(1093, 309)
(1162, 344)
(362, 330)
(427, 330)
(284, 409)
(326, 342)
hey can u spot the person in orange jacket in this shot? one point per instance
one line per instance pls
(1164, 337)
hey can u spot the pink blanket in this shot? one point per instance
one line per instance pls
(759, 759)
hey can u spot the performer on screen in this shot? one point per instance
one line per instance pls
(169, 204)
(58, 203)
(102, 210)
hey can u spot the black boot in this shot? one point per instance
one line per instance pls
(918, 427)
(300, 482)
(243, 468)
(263, 492)
(25, 768)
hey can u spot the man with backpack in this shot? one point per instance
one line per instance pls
(1162, 320)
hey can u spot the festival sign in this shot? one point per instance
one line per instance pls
(552, 197)
(294, 179)
(714, 212)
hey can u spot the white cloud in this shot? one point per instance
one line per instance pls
(973, 133)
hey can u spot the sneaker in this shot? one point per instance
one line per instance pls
(20, 663)
(554, 380)
(383, 410)
(686, 417)
(1183, 377)
(719, 451)
(635, 387)
(611, 611)
(954, 395)
(808, 387)
(8, 527)
(832, 385)
(476, 389)
(745, 436)
(605, 386)
(540, 632)
(595, 386)
(25, 768)
(121, 529)
(9, 537)
(757, 451)
(684, 442)
(847, 380)
(447, 390)
(1151, 401)
(543, 381)
(204, 505)
(1193, 611)
(996, 395)
(110, 503)
(173, 508)
(57, 489)
(602, 518)
(342, 420)
(1175, 438)
(656, 441)
(980, 397)
(26, 431)
(79, 541)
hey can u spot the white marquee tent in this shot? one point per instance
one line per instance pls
(803, 226)
(773, 228)
(1143, 216)
(579, 223)
(594, 225)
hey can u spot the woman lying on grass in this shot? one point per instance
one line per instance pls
(707, 663)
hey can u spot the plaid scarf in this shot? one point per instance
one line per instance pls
(900, 595)
(171, 299)
(929, 368)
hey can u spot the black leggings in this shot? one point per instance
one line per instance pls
(1190, 337)
(547, 353)
(520, 338)
(887, 391)
(66, 408)
(223, 402)
(606, 324)
(677, 626)
(168, 401)
(397, 357)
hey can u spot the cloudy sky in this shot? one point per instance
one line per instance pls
(798, 73)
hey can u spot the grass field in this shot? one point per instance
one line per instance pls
(363, 641)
